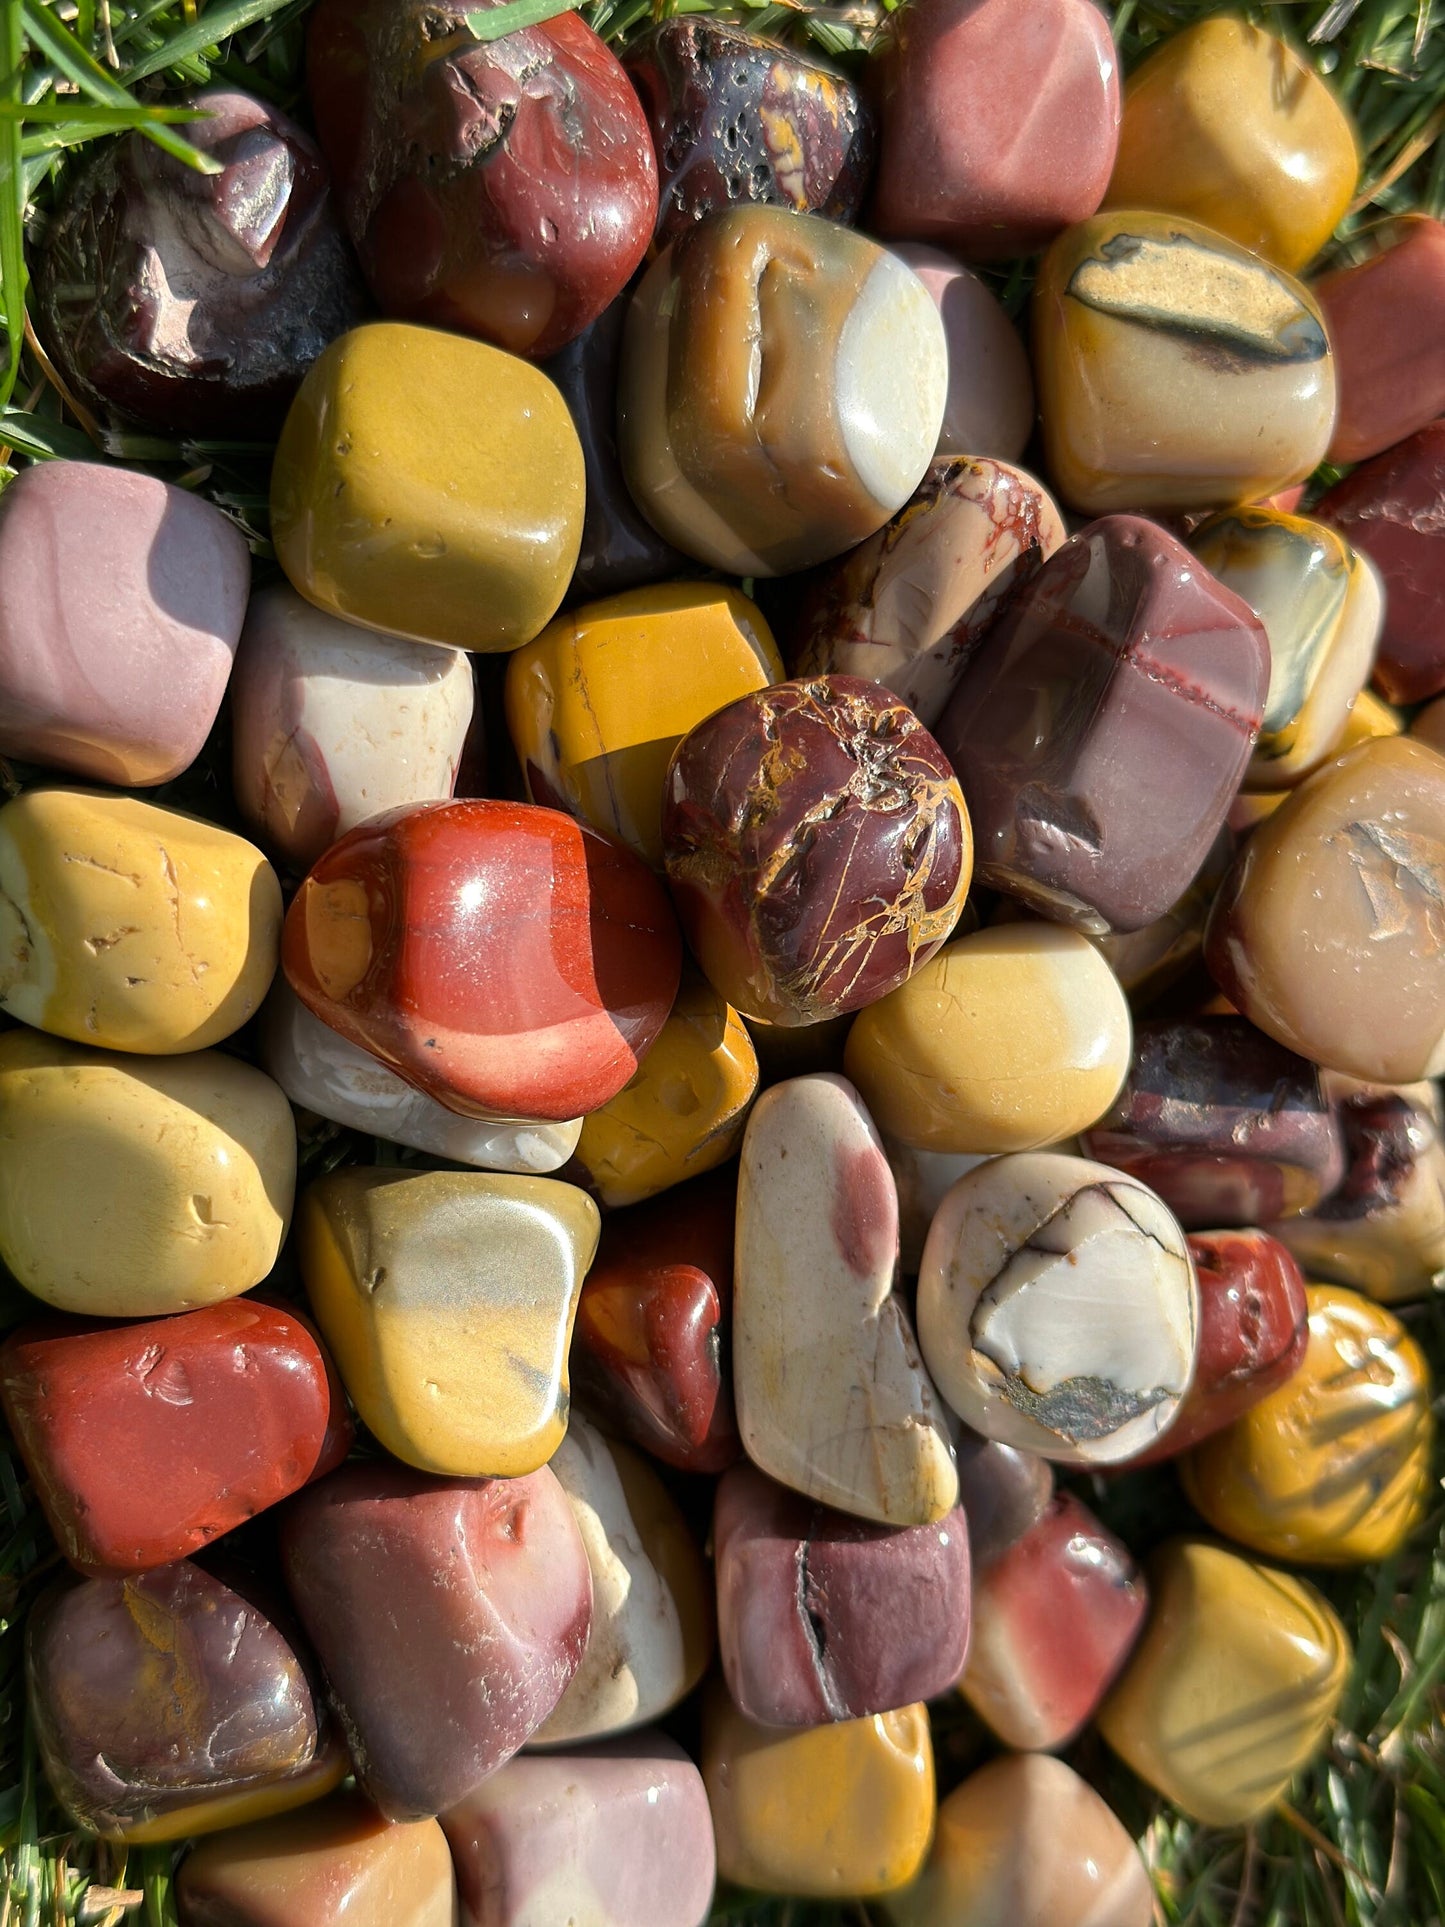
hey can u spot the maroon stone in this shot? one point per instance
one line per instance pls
(1386, 319)
(1003, 1492)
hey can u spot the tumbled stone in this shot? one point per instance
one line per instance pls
(989, 412)
(1102, 729)
(822, 1617)
(1428, 725)
(449, 1616)
(1175, 369)
(1003, 1492)
(1057, 1308)
(908, 607)
(613, 1835)
(465, 455)
(132, 1187)
(1148, 961)
(1384, 316)
(1232, 1688)
(1329, 932)
(503, 959)
(833, 1398)
(1333, 1468)
(447, 1299)
(922, 1179)
(598, 703)
(817, 847)
(759, 475)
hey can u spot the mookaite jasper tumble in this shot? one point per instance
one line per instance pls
(504, 959)
(1386, 317)
(1003, 1492)
(1329, 932)
(822, 1617)
(166, 1704)
(782, 385)
(1175, 369)
(989, 413)
(468, 461)
(817, 847)
(999, 123)
(1233, 1686)
(1057, 1308)
(121, 598)
(1333, 1469)
(1101, 730)
(908, 607)
(447, 1298)
(449, 1616)
(506, 188)
(145, 1442)
(131, 927)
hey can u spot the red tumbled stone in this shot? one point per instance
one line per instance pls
(1386, 320)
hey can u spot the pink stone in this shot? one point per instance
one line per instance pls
(1386, 320)
(990, 406)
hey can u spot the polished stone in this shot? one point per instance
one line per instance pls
(1386, 317)
(1428, 725)
(990, 408)
(1148, 961)
(1004, 1493)
(922, 1178)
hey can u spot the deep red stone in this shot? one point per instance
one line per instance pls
(147, 1441)
(1386, 320)
(503, 958)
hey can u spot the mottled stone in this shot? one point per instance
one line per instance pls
(922, 1178)
(1386, 317)
(449, 1616)
(990, 407)
(1102, 729)
(1003, 1492)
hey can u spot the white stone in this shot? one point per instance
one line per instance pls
(892, 374)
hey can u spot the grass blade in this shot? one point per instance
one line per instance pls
(515, 17)
(215, 25)
(12, 196)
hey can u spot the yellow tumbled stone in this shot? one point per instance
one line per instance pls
(1333, 1468)
(430, 486)
(447, 1299)
(244, 1805)
(1232, 1688)
(1226, 124)
(1370, 715)
(131, 927)
(597, 704)
(684, 1109)
(844, 1810)
(131, 1187)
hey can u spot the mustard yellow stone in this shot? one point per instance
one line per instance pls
(1232, 1688)
(131, 927)
(1370, 715)
(1225, 123)
(684, 1110)
(597, 704)
(131, 1187)
(1333, 1469)
(239, 1809)
(844, 1810)
(1006, 1040)
(447, 1299)
(430, 486)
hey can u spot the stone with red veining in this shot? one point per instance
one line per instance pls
(1101, 730)
(1386, 320)
(1003, 1493)
(990, 406)
(504, 959)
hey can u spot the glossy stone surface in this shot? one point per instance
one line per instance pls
(191, 303)
(1175, 369)
(1006, 1040)
(651, 1635)
(449, 1616)
(165, 1704)
(613, 1834)
(651, 1345)
(1385, 318)
(990, 408)
(505, 188)
(838, 1811)
(132, 1187)
(1024, 1842)
(1329, 932)
(1228, 125)
(1003, 1492)
(121, 598)
(758, 473)
(335, 1864)
(1057, 1308)
(597, 704)
(1333, 1469)
(1148, 961)
(503, 959)
(909, 607)
(331, 724)
(447, 1298)
(466, 455)
(817, 847)
(1322, 606)
(833, 1398)
(999, 125)
(1224, 1124)
(821, 1617)
(1233, 1686)
(1102, 729)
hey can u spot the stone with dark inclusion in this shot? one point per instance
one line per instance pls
(1102, 729)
